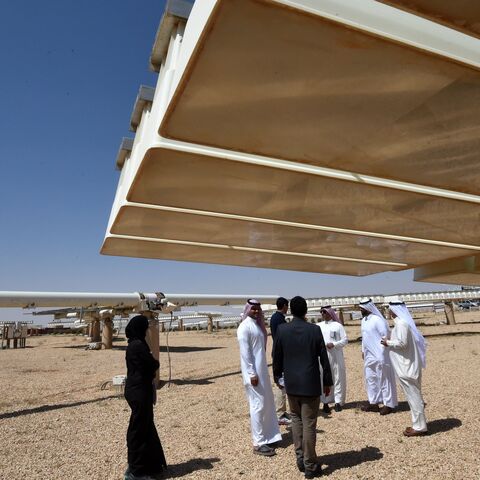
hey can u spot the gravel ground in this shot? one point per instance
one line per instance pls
(57, 423)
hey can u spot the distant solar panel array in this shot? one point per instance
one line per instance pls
(324, 136)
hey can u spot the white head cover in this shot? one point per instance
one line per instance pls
(332, 313)
(369, 306)
(401, 311)
(261, 318)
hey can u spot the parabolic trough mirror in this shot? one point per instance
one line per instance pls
(325, 136)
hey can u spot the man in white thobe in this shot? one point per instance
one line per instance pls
(335, 339)
(379, 373)
(252, 339)
(407, 349)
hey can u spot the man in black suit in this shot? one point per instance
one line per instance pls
(297, 348)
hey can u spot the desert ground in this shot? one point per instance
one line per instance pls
(57, 423)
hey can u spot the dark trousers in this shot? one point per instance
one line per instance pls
(145, 452)
(304, 412)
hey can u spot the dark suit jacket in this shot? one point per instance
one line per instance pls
(297, 347)
(278, 318)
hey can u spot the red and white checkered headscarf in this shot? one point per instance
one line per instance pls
(331, 312)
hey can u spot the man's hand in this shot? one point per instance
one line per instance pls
(383, 341)
(330, 345)
(326, 391)
(254, 381)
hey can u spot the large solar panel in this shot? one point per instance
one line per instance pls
(324, 136)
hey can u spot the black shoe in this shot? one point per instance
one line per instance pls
(326, 408)
(386, 410)
(130, 476)
(273, 444)
(301, 465)
(370, 407)
(316, 473)
(338, 407)
(264, 450)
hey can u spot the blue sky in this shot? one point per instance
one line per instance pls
(70, 74)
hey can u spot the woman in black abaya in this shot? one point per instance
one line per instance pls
(145, 454)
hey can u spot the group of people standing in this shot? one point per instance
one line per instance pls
(309, 369)
(388, 354)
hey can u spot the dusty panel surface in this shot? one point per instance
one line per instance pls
(229, 256)
(461, 271)
(216, 184)
(149, 222)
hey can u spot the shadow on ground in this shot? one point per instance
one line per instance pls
(163, 348)
(402, 407)
(200, 381)
(287, 438)
(188, 349)
(336, 461)
(443, 425)
(48, 408)
(193, 465)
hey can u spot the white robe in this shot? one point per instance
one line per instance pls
(379, 374)
(333, 332)
(253, 361)
(406, 359)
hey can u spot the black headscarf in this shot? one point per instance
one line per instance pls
(137, 328)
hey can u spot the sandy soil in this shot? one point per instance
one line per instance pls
(57, 423)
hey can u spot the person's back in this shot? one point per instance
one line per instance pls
(373, 329)
(296, 351)
(301, 342)
(145, 453)
(406, 356)
(379, 375)
(141, 366)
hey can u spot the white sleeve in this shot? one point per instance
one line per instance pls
(401, 334)
(343, 338)
(246, 353)
(381, 327)
(363, 347)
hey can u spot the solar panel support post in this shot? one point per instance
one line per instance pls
(107, 333)
(449, 313)
(95, 330)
